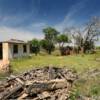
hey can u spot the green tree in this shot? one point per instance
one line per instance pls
(35, 46)
(47, 45)
(62, 39)
(50, 34)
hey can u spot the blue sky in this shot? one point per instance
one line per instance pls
(25, 19)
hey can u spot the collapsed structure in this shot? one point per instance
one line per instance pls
(48, 83)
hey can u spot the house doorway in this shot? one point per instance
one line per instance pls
(1, 53)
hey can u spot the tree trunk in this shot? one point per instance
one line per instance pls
(49, 52)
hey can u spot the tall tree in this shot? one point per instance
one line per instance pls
(86, 37)
(47, 45)
(62, 39)
(50, 34)
(92, 32)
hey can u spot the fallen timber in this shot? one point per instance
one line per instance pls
(48, 83)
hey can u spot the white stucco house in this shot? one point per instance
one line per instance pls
(13, 49)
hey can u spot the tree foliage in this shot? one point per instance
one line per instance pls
(62, 39)
(35, 46)
(47, 45)
(50, 34)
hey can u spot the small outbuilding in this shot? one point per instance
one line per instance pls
(13, 48)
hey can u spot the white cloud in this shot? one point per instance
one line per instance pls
(69, 19)
(8, 33)
(32, 31)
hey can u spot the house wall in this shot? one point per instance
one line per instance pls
(5, 50)
(20, 51)
(8, 51)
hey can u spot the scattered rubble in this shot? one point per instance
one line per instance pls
(48, 83)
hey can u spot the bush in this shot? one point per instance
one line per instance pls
(74, 95)
(95, 90)
(35, 46)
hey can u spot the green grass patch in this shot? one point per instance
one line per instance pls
(80, 63)
(77, 62)
(88, 87)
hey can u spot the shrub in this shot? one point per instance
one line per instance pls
(74, 95)
(95, 90)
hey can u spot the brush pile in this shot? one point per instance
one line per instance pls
(48, 83)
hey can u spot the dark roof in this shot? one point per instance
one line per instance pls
(14, 41)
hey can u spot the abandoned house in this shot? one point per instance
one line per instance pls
(13, 49)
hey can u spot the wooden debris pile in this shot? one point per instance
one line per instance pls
(48, 83)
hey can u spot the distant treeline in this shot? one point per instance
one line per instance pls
(82, 40)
